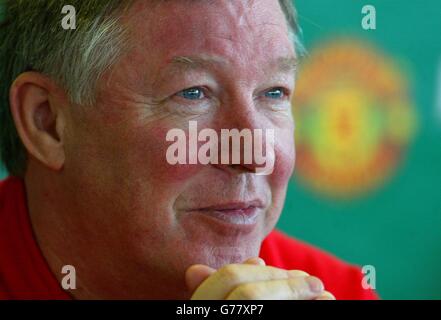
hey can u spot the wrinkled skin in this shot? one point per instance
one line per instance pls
(117, 211)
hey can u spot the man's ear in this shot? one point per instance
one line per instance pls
(37, 117)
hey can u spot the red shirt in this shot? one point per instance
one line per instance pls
(25, 274)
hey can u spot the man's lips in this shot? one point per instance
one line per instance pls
(237, 213)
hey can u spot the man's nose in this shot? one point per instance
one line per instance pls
(244, 138)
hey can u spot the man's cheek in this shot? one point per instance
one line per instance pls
(283, 165)
(153, 149)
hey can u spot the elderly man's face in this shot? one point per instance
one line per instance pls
(139, 209)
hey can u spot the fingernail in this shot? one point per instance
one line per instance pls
(325, 298)
(256, 261)
(297, 273)
(315, 284)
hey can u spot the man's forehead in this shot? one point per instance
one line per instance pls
(174, 38)
(196, 14)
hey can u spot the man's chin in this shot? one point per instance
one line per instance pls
(219, 255)
(226, 257)
(217, 243)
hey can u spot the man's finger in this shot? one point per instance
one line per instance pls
(256, 261)
(326, 296)
(222, 282)
(196, 274)
(299, 288)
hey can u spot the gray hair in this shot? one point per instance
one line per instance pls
(31, 38)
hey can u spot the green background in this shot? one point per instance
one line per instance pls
(395, 228)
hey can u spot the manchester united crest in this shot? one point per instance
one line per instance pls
(354, 119)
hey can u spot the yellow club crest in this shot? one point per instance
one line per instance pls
(354, 119)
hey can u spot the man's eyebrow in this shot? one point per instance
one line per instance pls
(179, 63)
(286, 64)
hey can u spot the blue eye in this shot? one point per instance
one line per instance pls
(275, 93)
(194, 93)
